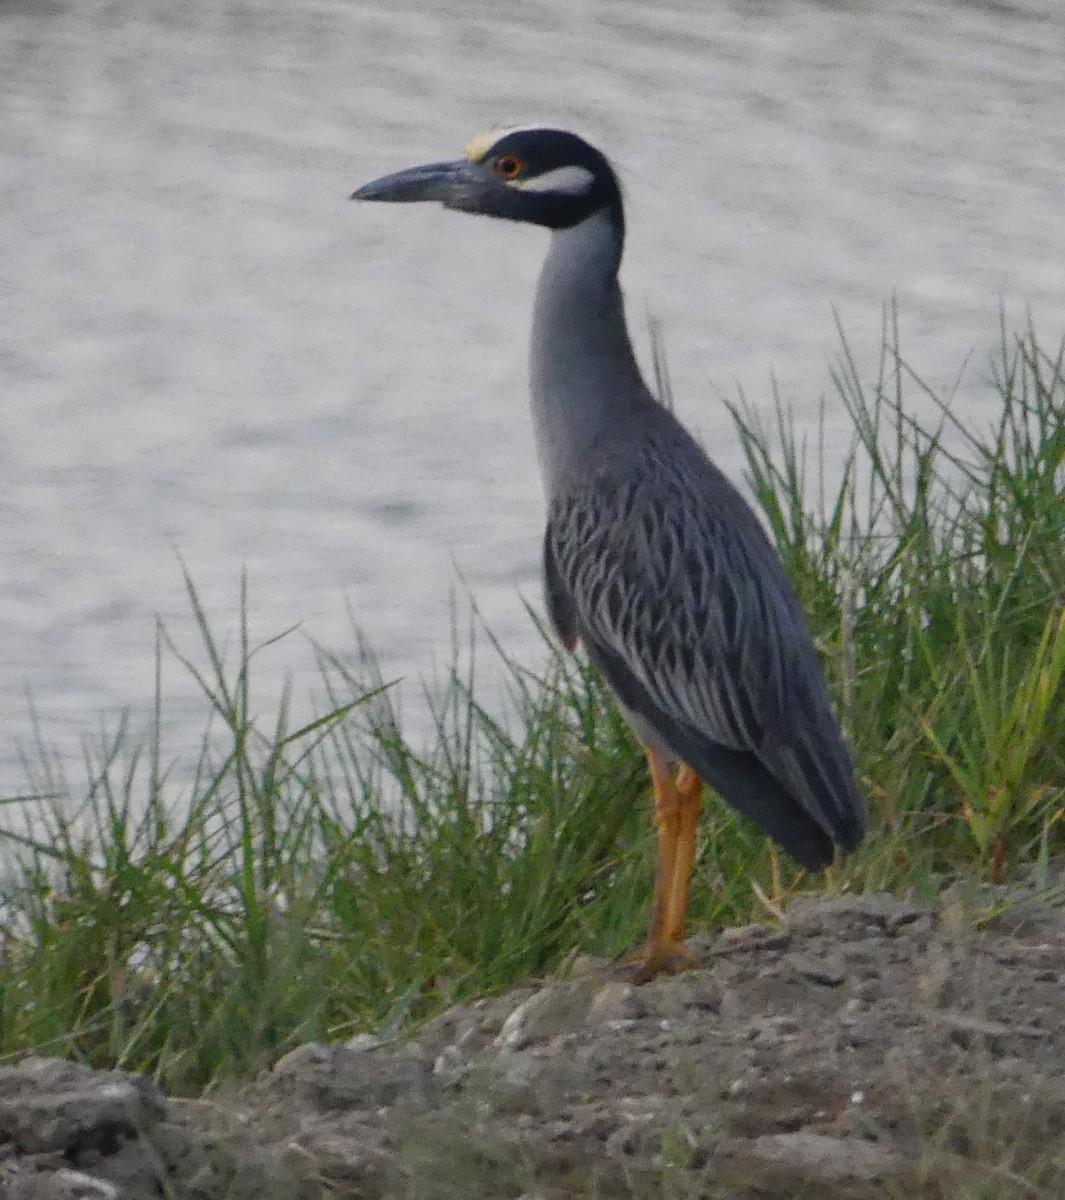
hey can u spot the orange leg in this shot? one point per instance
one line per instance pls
(667, 818)
(689, 788)
(676, 815)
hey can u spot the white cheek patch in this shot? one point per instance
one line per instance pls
(568, 181)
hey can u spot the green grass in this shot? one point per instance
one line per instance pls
(315, 882)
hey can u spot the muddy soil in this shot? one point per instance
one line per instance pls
(867, 1047)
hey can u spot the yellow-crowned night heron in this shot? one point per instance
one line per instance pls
(652, 558)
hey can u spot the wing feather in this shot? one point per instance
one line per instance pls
(672, 579)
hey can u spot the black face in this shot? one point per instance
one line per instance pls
(546, 177)
(559, 178)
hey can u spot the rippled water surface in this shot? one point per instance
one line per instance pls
(206, 351)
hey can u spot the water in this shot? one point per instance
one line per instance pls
(206, 351)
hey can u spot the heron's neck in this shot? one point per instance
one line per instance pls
(584, 376)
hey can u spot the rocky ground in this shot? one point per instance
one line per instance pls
(868, 1047)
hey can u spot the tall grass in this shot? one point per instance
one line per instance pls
(319, 881)
(935, 577)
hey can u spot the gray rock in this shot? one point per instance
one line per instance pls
(616, 1001)
(827, 971)
(818, 1158)
(849, 917)
(48, 1105)
(996, 1036)
(560, 1008)
(296, 1062)
(751, 938)
(450, 1067)
(358, 1080)
(26, 1183)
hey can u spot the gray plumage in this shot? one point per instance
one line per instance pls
(656, 565)
(652, 559)
(655, 562)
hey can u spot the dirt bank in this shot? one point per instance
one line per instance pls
(869, 1047)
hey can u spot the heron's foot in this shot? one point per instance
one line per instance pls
(668, 958)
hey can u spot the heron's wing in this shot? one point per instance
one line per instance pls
(560, 607)
(678, 593)
(672, 592)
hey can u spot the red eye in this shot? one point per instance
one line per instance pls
(508, 166)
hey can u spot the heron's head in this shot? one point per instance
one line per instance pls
(543, 176)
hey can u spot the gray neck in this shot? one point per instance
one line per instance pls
(583, 374)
